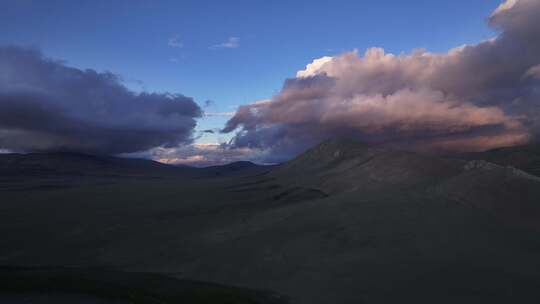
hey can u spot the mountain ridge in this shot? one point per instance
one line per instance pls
(80, 164)
(336, 167)
(523, 157)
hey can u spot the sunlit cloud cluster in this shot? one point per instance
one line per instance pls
(471, 98)
(201, 155)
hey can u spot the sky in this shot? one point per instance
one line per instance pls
(222, 55)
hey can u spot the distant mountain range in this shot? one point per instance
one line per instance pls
(328, 154)
(488, 179)
(78, 164)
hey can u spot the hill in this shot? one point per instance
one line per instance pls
(526, 157)
(344, 222)
(85, 165)
(336, 166)
(77, 164)
(235, 168)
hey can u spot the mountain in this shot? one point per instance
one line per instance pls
(77, 164)
(345, 222)
(235, 168)
(85, 165)
(526, 157)
(335, 167)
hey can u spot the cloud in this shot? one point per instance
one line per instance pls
(48, 106)
(175, 42)
(533, 72)
(209, 103)
(201, 155)
(504, 7)
(473, 97)
(232, 43)
(219, 114)
(313, 68)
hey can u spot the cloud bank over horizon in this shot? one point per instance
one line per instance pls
(48, 106)
(474, 97)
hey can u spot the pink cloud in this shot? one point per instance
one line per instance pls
(472, 97)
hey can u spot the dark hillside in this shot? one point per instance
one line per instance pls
(526, 158)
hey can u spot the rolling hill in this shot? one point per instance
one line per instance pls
(85, 165)
(526, 158)
(344, 223)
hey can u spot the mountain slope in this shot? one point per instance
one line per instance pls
(76, 164)
(84, 165)
(343, 166)
(526, 158)
(506, 192)
(236, 168)
(336, 166)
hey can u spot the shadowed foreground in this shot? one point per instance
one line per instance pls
(53, 285)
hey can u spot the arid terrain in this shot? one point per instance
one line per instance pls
(342, 223)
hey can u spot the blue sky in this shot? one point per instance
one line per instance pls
(274, 39)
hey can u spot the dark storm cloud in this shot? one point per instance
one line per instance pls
(47, 106)
(473, 97)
